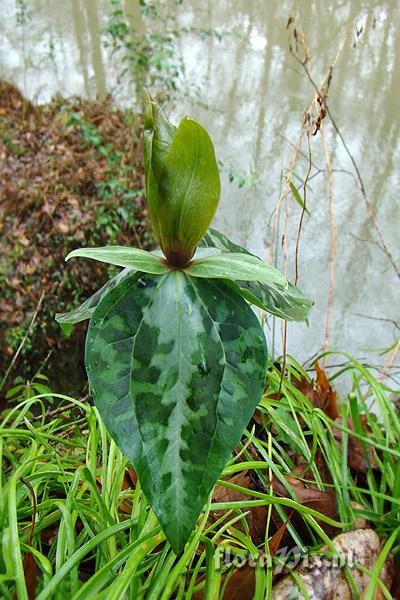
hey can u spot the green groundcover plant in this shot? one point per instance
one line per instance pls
(176, 358)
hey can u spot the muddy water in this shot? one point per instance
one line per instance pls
(251, 94)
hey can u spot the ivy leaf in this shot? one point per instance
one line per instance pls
(132, 258)
(286, 302)
(177, 366)
(235, 265)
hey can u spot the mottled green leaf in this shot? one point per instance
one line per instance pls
(132, 258)
(177, 366)
(235, 265)
(215, 239)
(246, 294)
(286, 302)
(86, 309)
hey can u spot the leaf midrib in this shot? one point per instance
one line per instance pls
(222, 378)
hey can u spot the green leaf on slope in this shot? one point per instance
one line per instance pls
(132, 258)
(288, 303)
(176, 366)
(235, 265)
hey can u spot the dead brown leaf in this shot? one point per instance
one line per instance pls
(241, 585)
(257, 517)
(319, 392)
(356, 457)
(275, 541)
(308, 494)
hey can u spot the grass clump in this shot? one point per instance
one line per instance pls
(75, 523)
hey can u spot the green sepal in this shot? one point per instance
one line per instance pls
(66, 329)
(85, 310)
(132, 258)
(286, 302)
(176, 366)
(236, 266)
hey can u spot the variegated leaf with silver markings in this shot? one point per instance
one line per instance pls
(177, 366)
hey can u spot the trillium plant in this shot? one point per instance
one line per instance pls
(176, 357)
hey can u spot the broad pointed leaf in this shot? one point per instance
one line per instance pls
(288, 303)
(132, 258)
(177, 367)
(87, 308)
(235, 266)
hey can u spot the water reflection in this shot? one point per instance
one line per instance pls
(252, 97)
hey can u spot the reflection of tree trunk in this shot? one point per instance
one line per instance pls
(237, 62)
(210, 43)
(134, 16)
(94, 28)
(80, 40)
(388, 88)
(263, 90)
(138, 35)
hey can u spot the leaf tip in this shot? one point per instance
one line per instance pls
(147, 109)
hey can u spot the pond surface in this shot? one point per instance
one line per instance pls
(251, 93)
